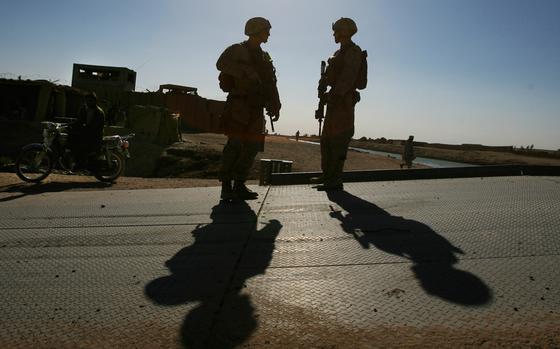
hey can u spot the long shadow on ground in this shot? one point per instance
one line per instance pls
(432, 255)
(25, 189)
(203, 273)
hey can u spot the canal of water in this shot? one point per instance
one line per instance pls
(436, 163)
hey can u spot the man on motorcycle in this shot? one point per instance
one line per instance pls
(87, 132)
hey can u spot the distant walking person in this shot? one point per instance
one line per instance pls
(249, 77)
(297, 136)
(408, 152)
(346, 72)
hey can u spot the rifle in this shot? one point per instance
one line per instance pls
(271, 122)
(321, 89)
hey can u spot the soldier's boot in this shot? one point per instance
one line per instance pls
(334, 180)
(317, 180)
(330, 186)
(227, 191)
(241, 191)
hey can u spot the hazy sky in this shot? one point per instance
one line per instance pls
(453, 71)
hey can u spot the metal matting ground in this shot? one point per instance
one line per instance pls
(447, 263)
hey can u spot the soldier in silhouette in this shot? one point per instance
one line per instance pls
(249, 77)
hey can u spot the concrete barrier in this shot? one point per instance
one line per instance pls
(271, 166)
(423, 173)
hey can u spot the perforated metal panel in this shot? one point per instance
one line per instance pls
(446, 263)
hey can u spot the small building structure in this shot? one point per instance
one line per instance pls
(107, 82)
(178, 89)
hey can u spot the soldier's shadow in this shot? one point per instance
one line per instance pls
(433, 256)
(206, 275)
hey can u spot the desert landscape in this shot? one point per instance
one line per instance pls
(194, 162)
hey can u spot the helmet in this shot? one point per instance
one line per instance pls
(255, 25)
(345, 25)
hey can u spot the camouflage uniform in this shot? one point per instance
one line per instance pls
(253, 88)
(342, 72)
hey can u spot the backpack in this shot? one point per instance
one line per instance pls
(227, 82)
(361, 81)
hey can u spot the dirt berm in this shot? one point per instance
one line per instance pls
(198, 156)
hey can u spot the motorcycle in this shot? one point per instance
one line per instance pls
(37, 160)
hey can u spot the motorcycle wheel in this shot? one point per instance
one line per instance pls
(115, 171)
(33, 165)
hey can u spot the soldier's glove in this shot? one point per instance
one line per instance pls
(322, 85)
(274, 114)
